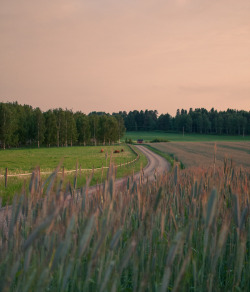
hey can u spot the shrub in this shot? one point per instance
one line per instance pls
(128, 141)
(158, 140)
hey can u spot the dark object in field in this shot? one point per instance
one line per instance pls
(140, 141)
(102, 150)
(158, 140)
(116, 151)
(122, 150)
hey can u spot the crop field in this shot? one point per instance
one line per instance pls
(202, 153)
(150, 136)
(25, 160)
(186, 231)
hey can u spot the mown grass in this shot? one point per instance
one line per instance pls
(150, 136)
(186, 231)
(25, 160)
(88, 157)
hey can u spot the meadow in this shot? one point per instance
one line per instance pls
(202, 153)
(25, 160)
(178, 137)
(87, 159)
(186, 231)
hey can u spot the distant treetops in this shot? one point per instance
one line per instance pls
(200, 121)
(22, 125)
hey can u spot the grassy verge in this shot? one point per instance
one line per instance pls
(178, 137)
(169, 157)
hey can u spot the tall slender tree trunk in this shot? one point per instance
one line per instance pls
(4, 122)
(57, 138)
(94, 133)
(66, 140)
(38, 144)
(57, 134)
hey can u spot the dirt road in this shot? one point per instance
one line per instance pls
(156, 165)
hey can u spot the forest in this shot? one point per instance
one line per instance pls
(230, 122)
(22, 125)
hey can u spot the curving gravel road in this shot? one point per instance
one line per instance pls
(156, 165)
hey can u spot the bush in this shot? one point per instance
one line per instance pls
(158, 140)
(128, 141)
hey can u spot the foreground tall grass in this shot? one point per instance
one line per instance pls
(185, 231)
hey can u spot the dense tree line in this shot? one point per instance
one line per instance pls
(21, 125)
(230, 122)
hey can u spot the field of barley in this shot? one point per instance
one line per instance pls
(189, 230)
(202, 153)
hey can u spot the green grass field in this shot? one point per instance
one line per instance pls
(25, 160)
(149, 136)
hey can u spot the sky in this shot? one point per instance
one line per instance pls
(112, 55)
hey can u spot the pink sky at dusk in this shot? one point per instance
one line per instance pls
(109, 55)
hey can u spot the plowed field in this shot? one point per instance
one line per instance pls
(202, 153)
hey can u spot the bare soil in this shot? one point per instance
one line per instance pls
(202, 153)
